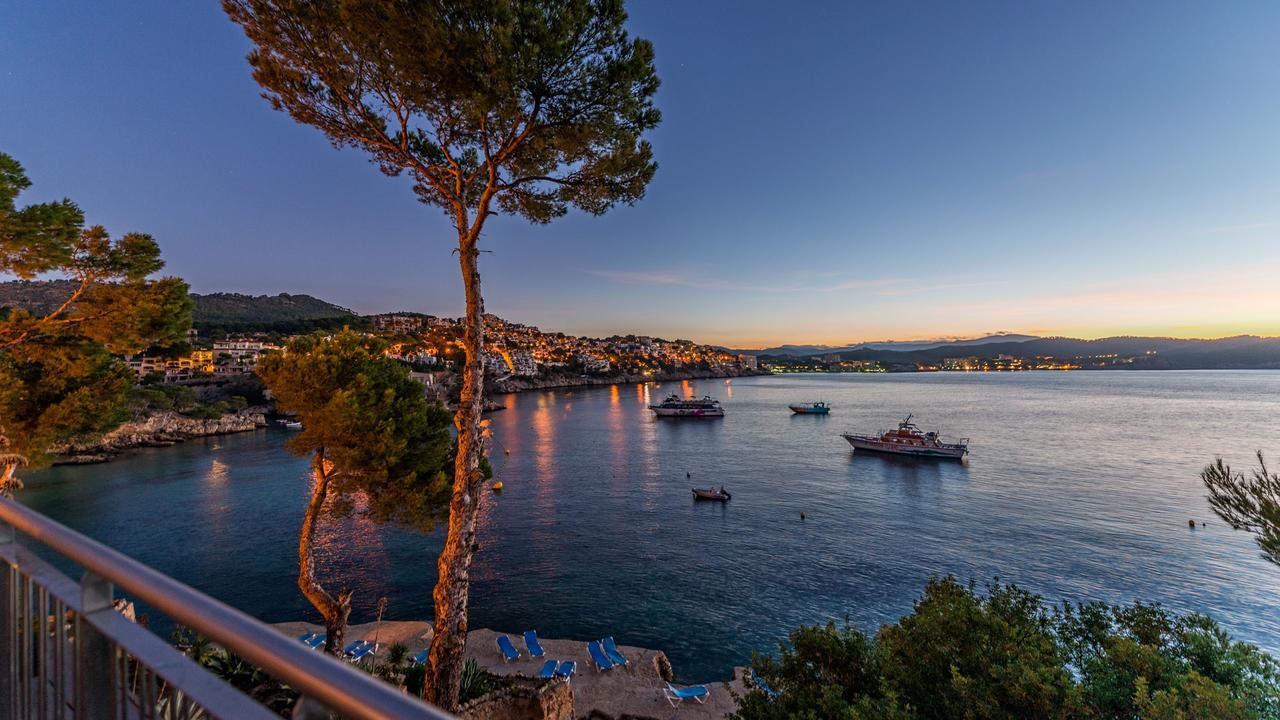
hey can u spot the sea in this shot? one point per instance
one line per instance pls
(1079, 486)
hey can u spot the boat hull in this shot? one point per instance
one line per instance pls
(807, 410)
(700, 494)
(872, 444)
(687, 412)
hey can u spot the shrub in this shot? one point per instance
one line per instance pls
(1005, 654)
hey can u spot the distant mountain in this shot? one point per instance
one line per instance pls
(792, 350)
(228, 311)
(898, 345)
(234, 309)
(38, 297)
(1137, 353)
(929, 344)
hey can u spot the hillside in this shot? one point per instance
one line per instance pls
(893, 345)
(226, 311)
(237, 309)
(38, 297)
(1138, 353)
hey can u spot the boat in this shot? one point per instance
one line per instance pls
(292, 424)
(711, 494)
(676, 406)
(909, 440)
(816, 408)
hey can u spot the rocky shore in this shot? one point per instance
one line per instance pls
(523, 384)
(158, 430)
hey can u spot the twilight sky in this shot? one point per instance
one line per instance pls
(828, 172)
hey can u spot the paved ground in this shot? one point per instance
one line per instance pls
(635, 689)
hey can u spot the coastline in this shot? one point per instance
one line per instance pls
(170, 428)
(159, 430)
(509, 386)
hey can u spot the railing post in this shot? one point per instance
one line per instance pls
(8, 622)
(95, 655)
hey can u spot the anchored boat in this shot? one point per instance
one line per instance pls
(815, 408)
(711, 494)
(676, 406)
(909, 440)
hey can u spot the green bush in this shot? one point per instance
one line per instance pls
(1006, 654)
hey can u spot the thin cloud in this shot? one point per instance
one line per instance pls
(627, 277)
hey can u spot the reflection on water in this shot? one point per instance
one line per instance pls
(1079, 487)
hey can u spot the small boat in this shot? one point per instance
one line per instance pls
(816, 408)
(909, 440)
(711, 494)
(676, 406)
(292, 424)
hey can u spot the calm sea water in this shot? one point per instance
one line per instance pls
(1079, 487)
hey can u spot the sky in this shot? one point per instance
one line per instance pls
(828, 172)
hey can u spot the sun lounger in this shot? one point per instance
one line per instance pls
(676, 695)
(305, 638)
(353, 647)
(566, 670)
(611, 649)
(509, 651)
(601, 661)
(368, 648)
(421, 657)
(548, 670)
(315, 640)
(764, 686)
(531, 644)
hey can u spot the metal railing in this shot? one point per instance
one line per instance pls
(66, 652)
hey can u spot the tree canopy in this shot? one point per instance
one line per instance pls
(1006, 654)
(541, 105)
(60, 374)
(373, 424)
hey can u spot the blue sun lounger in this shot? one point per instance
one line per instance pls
(676, 695)
(764, 686)
(368, 648)
(601, 661)
(421, 657)
(509, 651)
(532, 645)
(611, 649)
(353, 647)
(566, 670)
(548, 670)
(313, 640)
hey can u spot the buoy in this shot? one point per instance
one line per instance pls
(506, 451)
(802, 515)
(497, 487)
(1192, 523)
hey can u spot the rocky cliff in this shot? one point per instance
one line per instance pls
(158, 430)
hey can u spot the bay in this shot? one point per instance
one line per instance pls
(1079, 486)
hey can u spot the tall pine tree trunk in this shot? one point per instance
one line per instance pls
(444, 666)
(335, 611)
